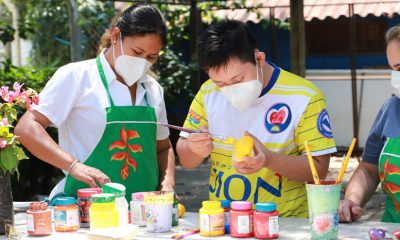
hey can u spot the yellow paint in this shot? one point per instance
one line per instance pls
(243, 148)
(212, 219)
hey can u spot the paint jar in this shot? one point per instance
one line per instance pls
(66, 216)
(103, 212)
(84, 202)
(241, 219)
(226, 205)
(122, 205)
(158, 207)
(138, 212)
(175, 215)
(266, 221)
(212, 219)
(38, 219)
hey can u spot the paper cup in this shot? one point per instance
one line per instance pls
(158, 207)
(323, 205)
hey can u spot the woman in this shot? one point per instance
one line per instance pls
(381, 157)
(106, 111)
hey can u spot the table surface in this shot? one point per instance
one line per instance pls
(289, 228)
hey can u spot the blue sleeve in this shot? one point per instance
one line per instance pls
(375, 140)
(386, 125)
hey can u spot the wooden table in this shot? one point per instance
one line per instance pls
(290, 228)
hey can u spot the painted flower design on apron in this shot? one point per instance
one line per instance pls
(124, 150)
(390, 187)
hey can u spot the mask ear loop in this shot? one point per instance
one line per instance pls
(120, 41)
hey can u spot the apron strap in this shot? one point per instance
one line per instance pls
(104, 80)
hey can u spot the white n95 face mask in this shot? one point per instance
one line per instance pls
(130, 68)
(242, 95)
(395, 81)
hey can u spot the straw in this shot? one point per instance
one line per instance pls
(312, 166)
(185, 234)
(346, 161)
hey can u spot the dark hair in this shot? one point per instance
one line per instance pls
(392, 34)
(223, 41)
(137, 20)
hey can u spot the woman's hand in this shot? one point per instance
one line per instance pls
(200, 143)
(349, 211)
(89, 175)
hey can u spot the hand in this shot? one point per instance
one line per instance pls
(253, 164)
(88, 175)
(200, 143)
(349, 211)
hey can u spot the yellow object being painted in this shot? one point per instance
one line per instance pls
(243, 148)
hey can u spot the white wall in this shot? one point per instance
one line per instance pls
(373, 88)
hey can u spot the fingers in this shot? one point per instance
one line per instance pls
(356, 212)
(89, 175)
(258, 146)
(349, 211)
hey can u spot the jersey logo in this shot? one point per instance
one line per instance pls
(324, 124)
(194, 118)
(278, 118)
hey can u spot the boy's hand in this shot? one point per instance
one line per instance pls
(253, 164)
(200, 143)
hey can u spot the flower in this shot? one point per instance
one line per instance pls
(12, 103)
(323, 223)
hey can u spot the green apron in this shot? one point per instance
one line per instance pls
(127, 150)
(389, 174)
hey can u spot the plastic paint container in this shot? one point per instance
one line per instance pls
(266, 221)
(38, 219)
(66, 216)
(103, 211)
(212, 219)
(226, 205)
(84, 202)
(241, 219)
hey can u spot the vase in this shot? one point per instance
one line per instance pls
(6, 201)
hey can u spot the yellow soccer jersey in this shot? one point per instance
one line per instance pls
(291, 110)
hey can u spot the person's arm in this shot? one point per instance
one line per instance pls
(295, 168)
(166, 165)
(194, 149)
(31, 132)
(361, 187)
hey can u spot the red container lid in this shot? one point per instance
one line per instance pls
(88, 192)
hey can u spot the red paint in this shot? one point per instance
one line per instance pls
(266, 221)
(38, 218)
(241, 219)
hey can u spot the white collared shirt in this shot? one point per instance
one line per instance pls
(74, 100)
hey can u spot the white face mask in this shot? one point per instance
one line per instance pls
(395, 81)
(242, 95)
(130, 68)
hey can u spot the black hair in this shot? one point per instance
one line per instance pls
(137, 20)
(223, 41)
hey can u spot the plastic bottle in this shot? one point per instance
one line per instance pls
(212, 219)
(266, 221)
(84, 203)
(241, 219)
(120, 200)
(38, 219)
(66, 216)
(138, 212)
(103, 212)
(226, 205)
(175, 215)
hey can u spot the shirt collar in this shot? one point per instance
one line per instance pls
(109, 73)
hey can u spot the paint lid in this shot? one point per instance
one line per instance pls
(241, 205)
(87, 192)
(62, 201)
(225, 203)
(138, 196)
(211, 204)
(103, 198)
(115, 188)
(265, 207)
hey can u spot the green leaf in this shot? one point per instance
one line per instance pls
(8, 159)
(20, 154)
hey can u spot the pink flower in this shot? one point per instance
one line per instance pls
(35, 100)
(323, 223)
(3, 143)
(11, 96)
(4, 92)
(17, 87)
(4, 122)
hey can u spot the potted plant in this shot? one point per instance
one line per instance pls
(12, 102)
